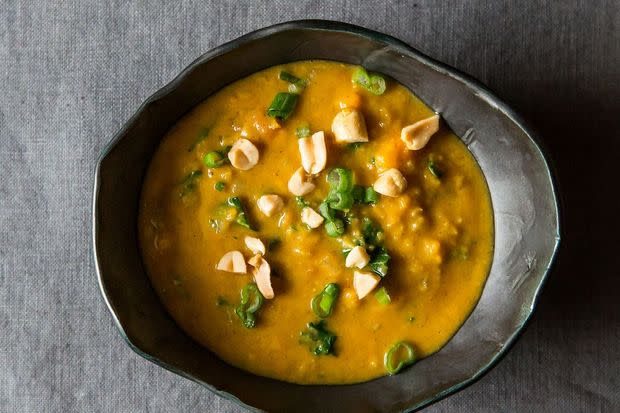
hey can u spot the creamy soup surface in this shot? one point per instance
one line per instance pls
(417, 221)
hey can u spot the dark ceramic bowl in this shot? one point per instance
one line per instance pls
(521, 185)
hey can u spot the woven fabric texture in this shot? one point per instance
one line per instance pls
(72, 72)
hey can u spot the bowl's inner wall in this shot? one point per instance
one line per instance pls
(521, 191)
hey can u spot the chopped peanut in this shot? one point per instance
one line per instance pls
(243, 155)
(417, 135)
(357, 257)
(255, 245)
(232, 261)
(270, 204)
(311, 218)
(364, 282)
(313, 152)
(390, 183)
(349, 126)
(262, 275)
(299, 184)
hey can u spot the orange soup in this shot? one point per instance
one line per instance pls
(316, 223)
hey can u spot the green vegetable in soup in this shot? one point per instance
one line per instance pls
(399, 356)
(319, 340)
(251, 302)
(282, 105)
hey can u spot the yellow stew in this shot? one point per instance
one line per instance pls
(316, 223)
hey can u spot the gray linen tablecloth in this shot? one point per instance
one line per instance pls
(72, 72)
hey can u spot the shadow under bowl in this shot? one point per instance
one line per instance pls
(525, 209)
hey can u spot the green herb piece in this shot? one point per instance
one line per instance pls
(382, 296)
(372, 232)
(242, 218)
(302, 131)
(219, 186)
(301, 202)
(202, 135)
(323, 303)
(399, 356)
(434, 169)
(334, 228)
(379, 261)
(188, 185)
(221, 301)
(251, 302)
(373, 83)
(282, 105)
(319, 340)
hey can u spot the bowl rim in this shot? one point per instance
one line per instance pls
(336, 26)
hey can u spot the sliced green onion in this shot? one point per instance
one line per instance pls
(371, 196)
(188, 184)
(395, 361)
(434, 169)
(219, 186)
(251, 302)
(340, 201)
(319, 340)
(382, 296)
(360, 76)
(334, 228)
(340, 179)
(242, 218)
(379, 261)
(374, 83)
(326, 212)
(302, 131)
(282, 105)
(296, 86)
(287, 77)
(323, 303)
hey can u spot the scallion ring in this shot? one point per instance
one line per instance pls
(251, 302)
(382, 296)
(282, 105)
(323, 303)
(399, 356)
